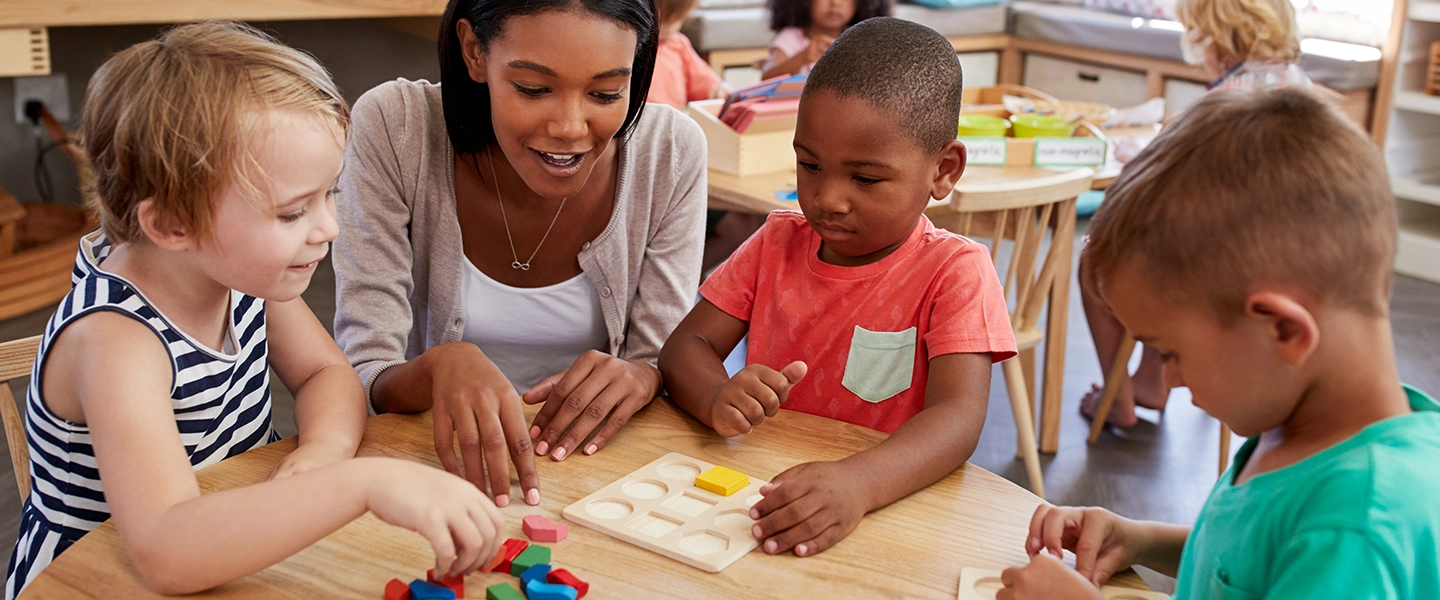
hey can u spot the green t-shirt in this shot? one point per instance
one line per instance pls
(1358, 520)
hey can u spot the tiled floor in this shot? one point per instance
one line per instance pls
(1161, 469)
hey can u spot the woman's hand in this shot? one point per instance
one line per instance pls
(579, 399)
(475, 404)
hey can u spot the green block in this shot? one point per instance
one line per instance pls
(534, 555)
(502, 591)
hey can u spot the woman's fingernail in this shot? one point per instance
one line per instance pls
(534, 431)
(591, 449)
(560, 453)
(532, 497)
(540, 448)
(502, 501)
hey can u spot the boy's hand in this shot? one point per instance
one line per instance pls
(461, 524)
(756, 392)
(1102, 541)
(1045, 578)
(311, 456)
(809, 507)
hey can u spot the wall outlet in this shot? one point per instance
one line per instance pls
(52, 90)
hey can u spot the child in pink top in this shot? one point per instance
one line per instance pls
(680, 76)
(858, 309)
(804, 29)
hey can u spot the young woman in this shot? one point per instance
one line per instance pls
(523, 230)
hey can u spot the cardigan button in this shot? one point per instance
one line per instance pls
(605, 292)
(585, 246)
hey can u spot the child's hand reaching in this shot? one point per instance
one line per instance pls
(1103, 542)
(756, 392)
(311, 456)
(461, 523)
(1045, 578)
(809, 507)
(818, 45)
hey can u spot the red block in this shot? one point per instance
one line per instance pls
(563, 577)
(456, 583)
(509, 550)
(397, 590)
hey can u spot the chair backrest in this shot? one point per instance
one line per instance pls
(1020, 209)
(17, 358)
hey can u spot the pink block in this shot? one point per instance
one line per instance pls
(541, 529)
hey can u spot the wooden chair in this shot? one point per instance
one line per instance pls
(1022, 210)
(1121, 368)
(16, 360)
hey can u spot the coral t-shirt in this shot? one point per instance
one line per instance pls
(866, 333)
(680, 76)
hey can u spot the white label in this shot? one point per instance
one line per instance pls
(984, 151)
(1069, 152)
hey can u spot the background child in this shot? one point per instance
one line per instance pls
(804, 29)
(859, 309)
(1251, 245)
(680, 76)
(216, 152)
(1242, 44)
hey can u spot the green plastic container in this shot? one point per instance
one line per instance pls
(1033, 126)
(982, 126)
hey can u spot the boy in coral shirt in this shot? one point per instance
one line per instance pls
(680, 76)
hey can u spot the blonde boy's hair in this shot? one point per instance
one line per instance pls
(1249, 189)
(1242, 30)
(666, 11)
(169, 120)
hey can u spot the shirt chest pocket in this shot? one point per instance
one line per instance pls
(881, 364)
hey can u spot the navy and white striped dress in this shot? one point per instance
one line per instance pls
(221, 402)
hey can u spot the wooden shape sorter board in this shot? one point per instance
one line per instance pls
(982, 584)
(658, 508)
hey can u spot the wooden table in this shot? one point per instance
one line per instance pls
(915, 547)
(756, 194)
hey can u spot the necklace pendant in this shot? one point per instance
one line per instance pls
(518, 265)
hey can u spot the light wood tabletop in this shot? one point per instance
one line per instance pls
(914, 548)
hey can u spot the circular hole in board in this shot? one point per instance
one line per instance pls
(989, 586)
(679, 471)
(754, 498)
(608, 509)
(645, 489)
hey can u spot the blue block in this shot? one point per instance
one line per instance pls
(536, 590)
(535, 573)
(424, 590)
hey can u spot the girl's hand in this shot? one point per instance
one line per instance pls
(311, 456)
(461, 524)
(476, 405)
(1102, 541)
(579, 399)
(818, 45)
(809, 507)
(754, 393)
(1045, 578)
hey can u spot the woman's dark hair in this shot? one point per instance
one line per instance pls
(796, 13)
(467, 103)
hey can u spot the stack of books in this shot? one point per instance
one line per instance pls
(772, 99)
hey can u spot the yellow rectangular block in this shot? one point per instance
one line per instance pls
(721, 480)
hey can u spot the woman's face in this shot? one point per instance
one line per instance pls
(559, 91)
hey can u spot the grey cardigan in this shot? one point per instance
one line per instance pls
(398, 258)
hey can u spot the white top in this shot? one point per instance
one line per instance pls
(531, 333)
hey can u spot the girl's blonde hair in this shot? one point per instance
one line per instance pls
(1243, 30)
(168, 120)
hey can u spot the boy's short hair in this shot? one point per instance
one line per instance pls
(666, 11)
(166, 120)
(901, 68)
(1243, 30)
(1253, 188)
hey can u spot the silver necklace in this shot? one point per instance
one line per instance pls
(525, 266)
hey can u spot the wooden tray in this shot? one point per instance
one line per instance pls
(982, 584)
(658, 508)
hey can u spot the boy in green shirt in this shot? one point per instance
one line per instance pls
(1252, 245)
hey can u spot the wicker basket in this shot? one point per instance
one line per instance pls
(1432, 74)
(38, 253)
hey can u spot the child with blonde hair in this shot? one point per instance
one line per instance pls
(680, 76)
(1242, 45)
(1251, 245)
(216, 151)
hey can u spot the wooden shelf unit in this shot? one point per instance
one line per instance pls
(1408, 130)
